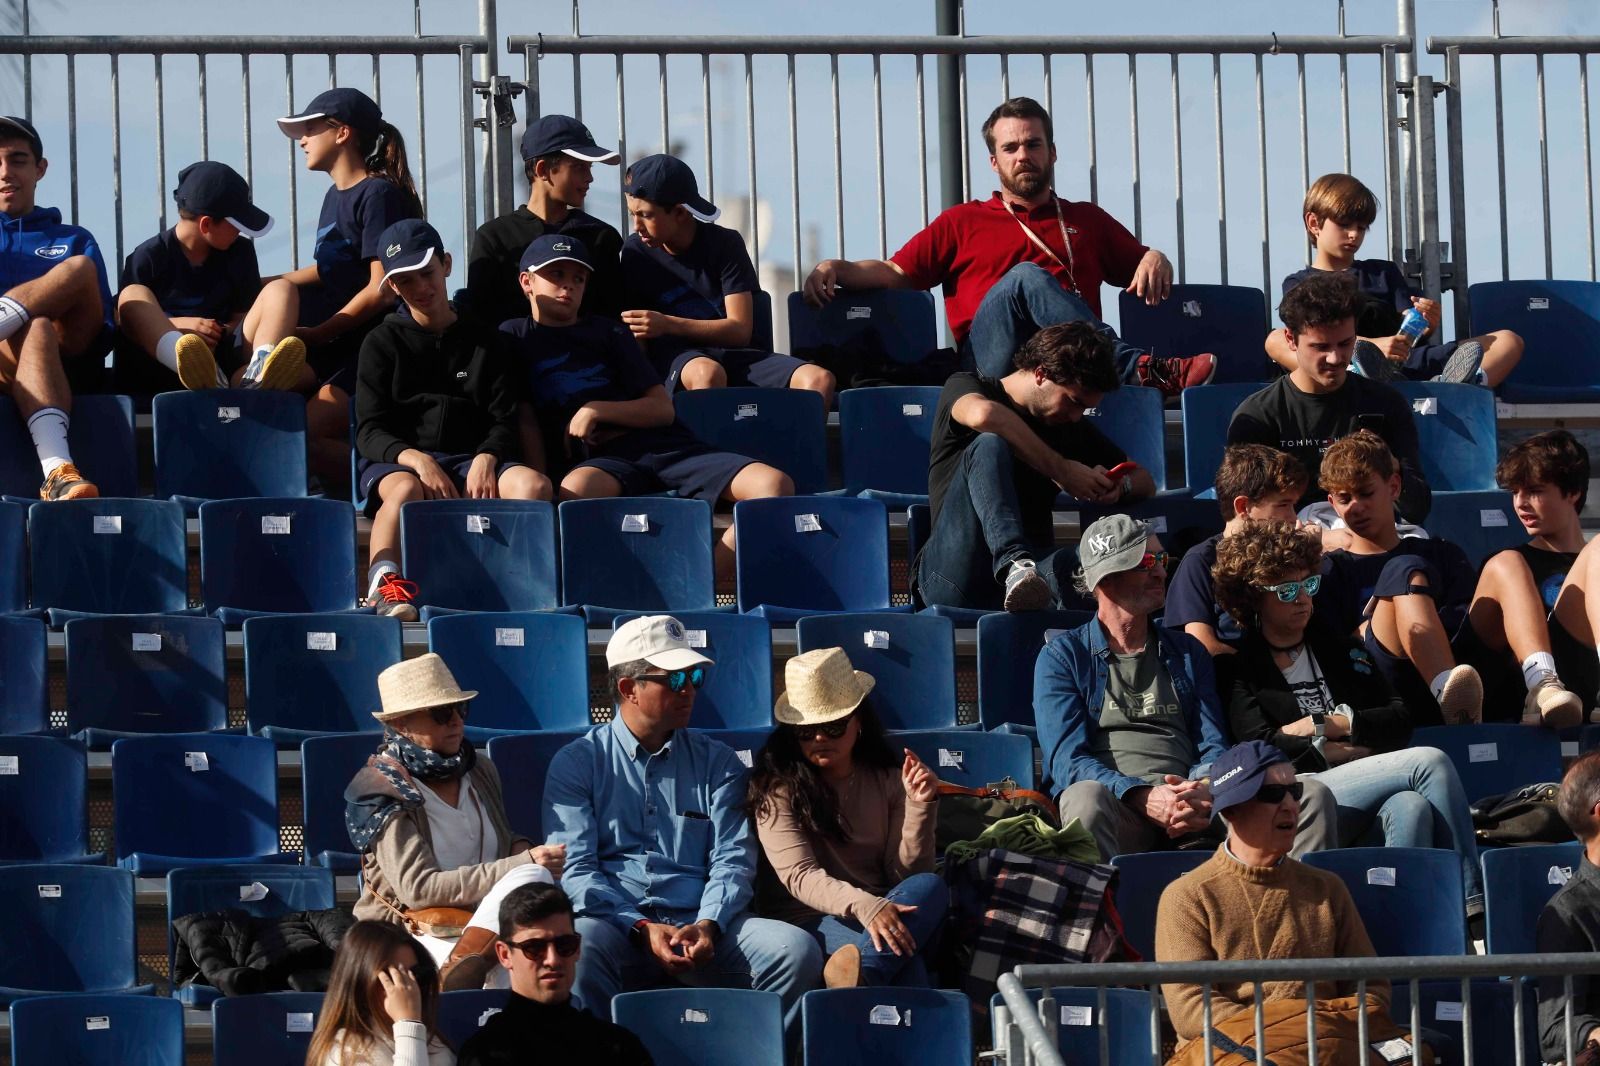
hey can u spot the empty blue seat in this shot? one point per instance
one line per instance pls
(1230, 321)
(1125, 1025)
(811, 555)
(463, 1012)
(1410, 899)
(530, 670)
(1008, 646)
(642, 554)
(738, 689)
(67, 929)
(784, 428)
(277, 556)
(1132, 417)
(268, 1029)
(108, 556)
(1481, 523)
(44, 815)
(315, 673)
(884, 436)
(163, 785)
(221, 444)
(969, 757)
(62, 1030)
(704, 1026)
(912, 657)
(13, 557)
(257, 890)
(1496, 757)
(1207, 410)
(1456, 434)
(327, 764)
(1493, 1004)
(887, 1027)
(1558, 322)
(896, 325)
(481, 555)
(1517, 883)
(523, 760)
(100, 437)
(144, 674)
(1141, 878)
(24, 692)
(746, 743)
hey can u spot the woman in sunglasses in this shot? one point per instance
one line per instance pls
(847, 825)
(1319, 698)
(426, 814)
(383, 997)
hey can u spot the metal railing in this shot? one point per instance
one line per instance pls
(1028, 1031)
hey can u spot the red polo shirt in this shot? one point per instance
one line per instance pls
(970, 247)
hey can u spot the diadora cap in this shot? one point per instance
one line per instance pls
(1111, 545)
(658, 639)
(409, 244)
(667, 180)
(216, 189)
(1237, 773)
(11, 124)
(552, 248)
(565, 134)
(352, 107)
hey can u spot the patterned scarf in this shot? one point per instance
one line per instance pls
(387, 784)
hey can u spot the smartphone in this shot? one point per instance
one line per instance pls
(1122, 470)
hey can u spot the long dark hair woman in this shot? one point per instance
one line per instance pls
(382, 1003)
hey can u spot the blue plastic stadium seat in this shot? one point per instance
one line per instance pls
(1207, 410)
(884, 437)
(1496, 757)
(919, 523)
(738, 689)
(861, 1025)
(1230, 321)
(1126, 1023)
(784, 428)
(13, 557)
(221, 444)
(100, 437)
(1456, 433)
(97, 1029)
(68, 929)
(162, 784)
(24, 691)
(44, 814)
(306, 674)
(257, 890)
(133, 674)
(800, 556)
(327, 764)
(277, 556)
(896, 325)
(108, 556)
(640, 554)
(1517, 883)
(971, 758)
(530, 670)
(462, 1013)
(1141, 878)
(1132, 417)
(523, 760)
(704, 1026)
(746, 743)
(912, 657)
(481, 555)
(1558, 322)
(267, 1029)
(1493, 1004)
(1410, 899)
(1481, 523)
(1008, 646)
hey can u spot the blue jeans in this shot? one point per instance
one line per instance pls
(927, 893)
(755, 953)
(1021, 303)
(978, 534)
(1415, 795)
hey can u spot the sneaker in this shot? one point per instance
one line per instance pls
(65, 483)
(1550, 704)
(1461, 699)
(1172, 376)
(1371, 363)
(197, 367)
(394, 597)
(279, 368)
(843, 969)
(1025, 589)
(1462, 366)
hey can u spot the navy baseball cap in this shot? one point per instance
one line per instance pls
(668, 181)
(564, 134)
(1237, 774)
(552, 248)
(352, 107)
(11, 124)
(216, 189)
(407, 245)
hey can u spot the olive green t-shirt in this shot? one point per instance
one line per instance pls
(1142, 729)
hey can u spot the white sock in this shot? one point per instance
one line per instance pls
(1436, 686)
(167, 349)
(13, 316)
(48, 427)
(257, 359)
(375, 574)
(1536, 666)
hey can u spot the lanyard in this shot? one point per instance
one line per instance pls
(1066, 240)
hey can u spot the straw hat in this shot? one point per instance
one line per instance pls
(820, 686)
(417, 685)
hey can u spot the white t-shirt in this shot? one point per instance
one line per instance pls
(463, 834)
(1310, 688)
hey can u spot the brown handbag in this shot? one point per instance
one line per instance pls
(1284, 1037)
(446, 923)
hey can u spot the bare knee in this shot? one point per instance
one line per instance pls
(589, 483)
(703, 373)
(815, 378)
(758, 480)
(399, 488)
(525, 483)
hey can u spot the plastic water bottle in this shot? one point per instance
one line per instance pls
(1413, 326)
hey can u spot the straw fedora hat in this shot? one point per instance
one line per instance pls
(820, 686)
(416, 685)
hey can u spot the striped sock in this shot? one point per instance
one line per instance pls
(13, 316)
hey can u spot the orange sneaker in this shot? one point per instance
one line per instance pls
(65, 483)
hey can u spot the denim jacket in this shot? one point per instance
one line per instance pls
(1069, 687)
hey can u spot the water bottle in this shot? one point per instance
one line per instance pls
(1413, 326)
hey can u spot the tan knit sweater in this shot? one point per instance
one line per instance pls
(1227, 910)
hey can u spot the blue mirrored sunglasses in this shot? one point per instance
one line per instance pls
(677, 680)
(1289, 591)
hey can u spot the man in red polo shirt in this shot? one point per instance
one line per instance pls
(1023, 259)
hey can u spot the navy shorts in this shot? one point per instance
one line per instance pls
(1395, 580)
(693, 469)
(744, 366)
(369, 473)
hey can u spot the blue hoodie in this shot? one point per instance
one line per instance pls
(37, 241)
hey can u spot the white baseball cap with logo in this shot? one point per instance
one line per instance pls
(658, 639)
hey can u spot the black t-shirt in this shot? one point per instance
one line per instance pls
(1349, 579)
(1385, 294)
(492, 268)
(1192, 598)
(528, 1031)
(223, 286)
(691, 284)
(1036, 494)
(348, 232)
(1549, 571)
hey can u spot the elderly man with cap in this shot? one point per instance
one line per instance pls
(427, 816)
(661, 858)
(1128, 713)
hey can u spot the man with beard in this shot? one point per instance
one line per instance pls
(1022, 260)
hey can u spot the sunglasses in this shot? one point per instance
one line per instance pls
(534, 948)
(1154, 559)
(832, 730)
(678, 680)
(1274, 794)
(1289, 591)
(443, 715)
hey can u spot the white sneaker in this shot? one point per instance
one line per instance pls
(1025, 589)
(1551, 704)
(1461, 699)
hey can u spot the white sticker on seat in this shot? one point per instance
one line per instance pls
(884, 1014)
(1492, 516)
(196, 761)
(1569, 749)
(747, 757)
(477, 523)
(1558, 875)
(746, 410)
(254, 892)
(299, 1022)
(1425, 405)
(1446, 1011)
(1538, 303)
(636, 523)
(97, 1021)
(276, 525)
(8, 765)
(322, 642)
(1077, 1015)
(911, 410)
(876, 638)
(1192, 309)
(807, 523)
(49, 891)
(227, 414)
(852, 313)
(695, 1017)
(146, 641)
(1381, 875)
(107, 523)
(508, 637)
(954, 758)
(1489, 752)
(695, 638)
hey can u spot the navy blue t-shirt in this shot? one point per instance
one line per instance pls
(1349, 579)
(348, 232)
(691, 284)
(1385, 294)
(226, 284)
(1192, 596)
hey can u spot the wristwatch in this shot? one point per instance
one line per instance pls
(1127, 486)
(1319, 719)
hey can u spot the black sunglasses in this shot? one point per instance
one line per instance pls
(678, 680)
(832, 730)
(1274, 794)
(443, 715)
(533, 948)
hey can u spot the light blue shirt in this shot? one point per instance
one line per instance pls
(663, 836)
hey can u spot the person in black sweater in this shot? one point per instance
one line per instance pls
(436, 408)
(539, 948)
(1570, 922)
(1321, 401)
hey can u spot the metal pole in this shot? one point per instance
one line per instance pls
(1456, 160)
(947, 22)
(497, 179)
(1427, 203)
(1405, 72)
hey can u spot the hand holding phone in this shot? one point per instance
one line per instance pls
(1122, 470)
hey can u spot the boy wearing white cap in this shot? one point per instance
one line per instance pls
(660, 855)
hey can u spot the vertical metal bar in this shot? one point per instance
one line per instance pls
(965, 142)
(661, 79)
(1588, 167)
(72, 133)
(1261, 1024)
(750, 150)
(1311, 1023)
(1155, 1024)
(705, 131)
(877, 135)
(1416, 1014)
(1517, 1022)
(249, 146)
(838, 157)
(1305, 143)
(577, 74)
(27, 64)
(947, 23)
(1427, 184)
(1407, 60)
(794, 167)
(1544, 162)
(377, 82)
(1222, 168)
(1458, 192)
(294, 200)
(1261, 149)
(469, 192)
(1500, 162)
(422, 125)
(1101, 1024)
(1466, 1020)
(1361, 1001)
(1133, 138)
(530, 76)
(1005, 76)
(1344, 99)
(1177, 163)
(622, 129)
(1205, 1022)
(922, 146)
(1391, 154)
(205, 122)
(161, 144)
(1566, 1014)
(116, 151)
(333, 70)
(1088, 99)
